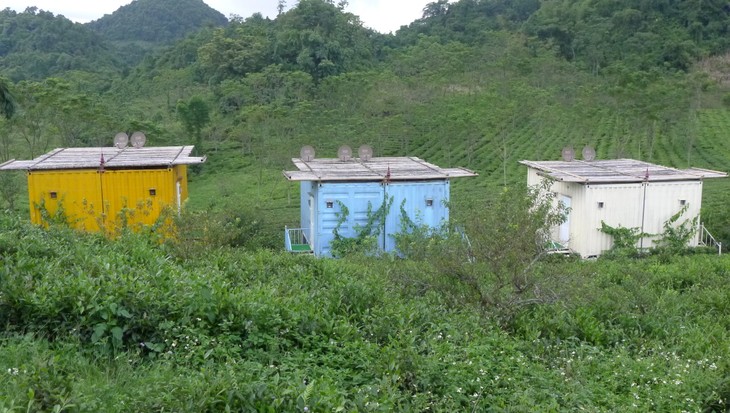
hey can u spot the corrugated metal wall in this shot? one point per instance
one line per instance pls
(308, 207)
(423, 202)
(623, 205)
(77, 192)
(664, 199)
(91, 199)
(133, 197)
(356, 196)
(329, 198)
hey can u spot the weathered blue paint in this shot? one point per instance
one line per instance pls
(425, 202)
(305, 202)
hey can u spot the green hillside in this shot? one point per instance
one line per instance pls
(146, 26)
(218, 318)
(483, 98)
(35, 44)
(156, 21)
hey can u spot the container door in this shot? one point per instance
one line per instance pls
(132, 198)
(423, 203)
(178, 197)
(565, 226)
(311, 234)
(75, 193)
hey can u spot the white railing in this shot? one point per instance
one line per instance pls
(707, 239)
(297, 240)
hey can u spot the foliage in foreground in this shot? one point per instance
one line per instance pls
(90, 324)
(492, 251)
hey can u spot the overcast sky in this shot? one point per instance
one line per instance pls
(382, 15)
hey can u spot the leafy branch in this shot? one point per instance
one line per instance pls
(624, 239)
(365, 239)
(675, 238)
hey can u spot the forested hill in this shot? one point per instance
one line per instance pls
(157, 21)
(595, 33)
(35, 44)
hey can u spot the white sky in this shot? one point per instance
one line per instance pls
(382, 15)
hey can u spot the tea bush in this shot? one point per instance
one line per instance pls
(92, 324)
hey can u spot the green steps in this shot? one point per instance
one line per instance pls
(301, 248)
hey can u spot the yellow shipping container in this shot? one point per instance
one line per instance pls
(106, 188)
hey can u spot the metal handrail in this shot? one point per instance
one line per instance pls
(296, 236)
(287, 239)
(707, 239)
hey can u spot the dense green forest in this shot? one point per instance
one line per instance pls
(219, 318)
(36, 45)
(152, 20)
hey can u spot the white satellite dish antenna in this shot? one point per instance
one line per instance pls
(121, 140)
(306, 153)
(589, 153)
(344, 153)
(365, 153)
(138, 139)
(568, 154)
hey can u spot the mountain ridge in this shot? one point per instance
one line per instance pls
(152, 22)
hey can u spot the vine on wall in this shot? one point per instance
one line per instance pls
(674, 239)
(366, 236)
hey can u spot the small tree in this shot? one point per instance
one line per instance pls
(676, 237)
(491, 254)
(194, 115)
(7, 101)
(10, 188)
(280, 7)
(7, 110)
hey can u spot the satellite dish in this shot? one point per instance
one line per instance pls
(121, 140)
(306, 153)
(344, 153)
(568, 154)
(138, 139)
(589, 153)
(365, 153)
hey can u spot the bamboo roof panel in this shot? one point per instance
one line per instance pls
(617, 171)
(374, 169)
(113, 158)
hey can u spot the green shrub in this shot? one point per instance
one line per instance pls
(495, 250)
(93, 324)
